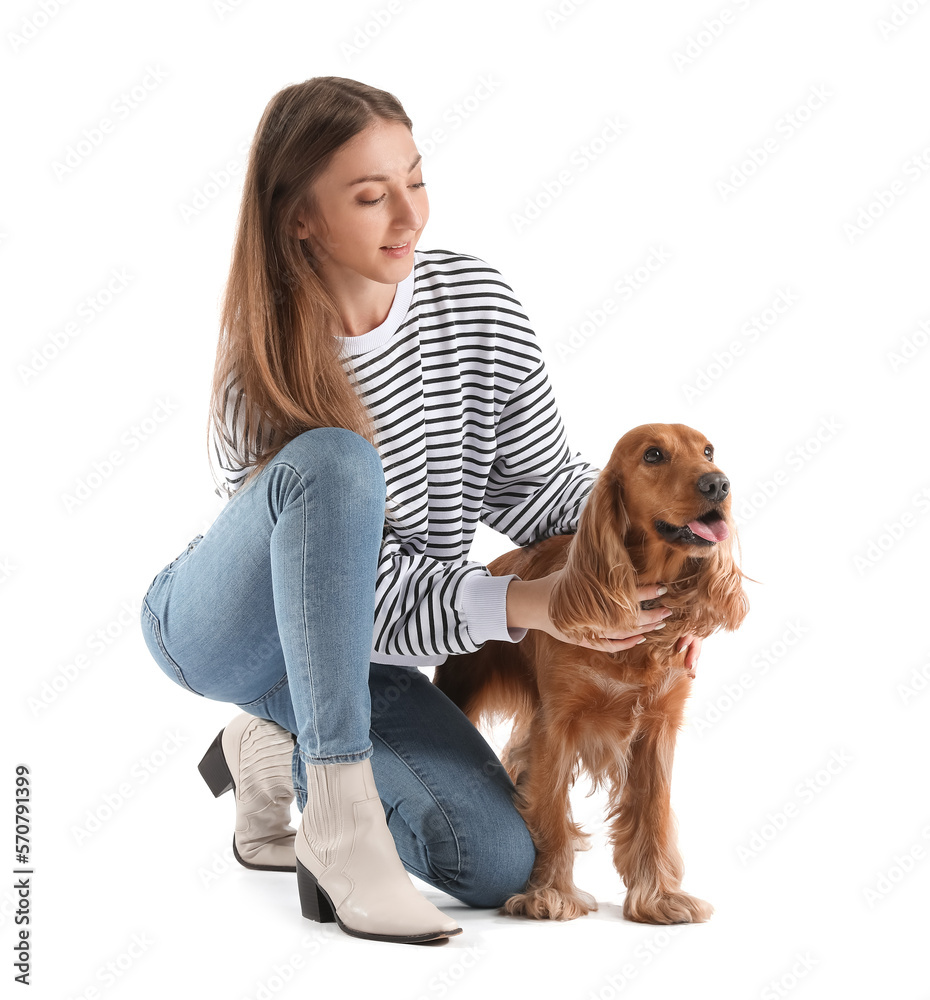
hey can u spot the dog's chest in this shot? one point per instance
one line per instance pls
(611, 702)
(603, 728)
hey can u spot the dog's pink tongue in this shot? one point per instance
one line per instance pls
(716, 531)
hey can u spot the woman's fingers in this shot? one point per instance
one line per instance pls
(651, 617)
(650, 592)
(616, 645)
(611, 644)
(648, 620)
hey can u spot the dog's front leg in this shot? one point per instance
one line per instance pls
(643, 832)
(543, 783)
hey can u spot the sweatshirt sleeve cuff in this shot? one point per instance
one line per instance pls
(483, 604)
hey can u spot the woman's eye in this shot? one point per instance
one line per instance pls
(652, 456)
(377, 201)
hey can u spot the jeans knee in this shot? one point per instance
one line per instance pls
(485, 868)
(496, 883)
(348, 463)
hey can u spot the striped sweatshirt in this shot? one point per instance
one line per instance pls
(467, 430)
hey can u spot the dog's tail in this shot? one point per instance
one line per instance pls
(490, 685)
(497, 682)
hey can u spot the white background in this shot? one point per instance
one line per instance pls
(800, 781)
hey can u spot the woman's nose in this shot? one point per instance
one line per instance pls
(408, 215)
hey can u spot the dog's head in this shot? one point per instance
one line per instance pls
(671, 489)
(662, 498)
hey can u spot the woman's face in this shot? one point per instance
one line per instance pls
(372, 207)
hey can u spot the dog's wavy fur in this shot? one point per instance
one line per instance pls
(614, 716)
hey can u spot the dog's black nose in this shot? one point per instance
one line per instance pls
(714, 486)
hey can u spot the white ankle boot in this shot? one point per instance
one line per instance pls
(347, 865)
(253, 757)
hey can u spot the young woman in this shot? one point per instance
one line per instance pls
(371, 403)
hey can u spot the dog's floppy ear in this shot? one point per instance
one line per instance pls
(720, 600)
(596, 593)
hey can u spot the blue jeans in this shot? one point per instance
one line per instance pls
(273, 610)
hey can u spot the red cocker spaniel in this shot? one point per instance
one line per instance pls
(658, 513)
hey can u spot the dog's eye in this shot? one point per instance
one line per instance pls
(652, 456)
(709, 453)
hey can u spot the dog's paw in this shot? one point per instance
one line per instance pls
(666, 908)
(550, 904)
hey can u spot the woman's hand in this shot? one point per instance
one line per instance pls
(528, 607)
(691, 643)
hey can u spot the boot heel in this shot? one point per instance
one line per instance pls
(313, 903)
(214, 770)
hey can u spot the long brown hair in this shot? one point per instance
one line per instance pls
(277, 349)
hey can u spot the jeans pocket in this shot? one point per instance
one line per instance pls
(151, 630)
